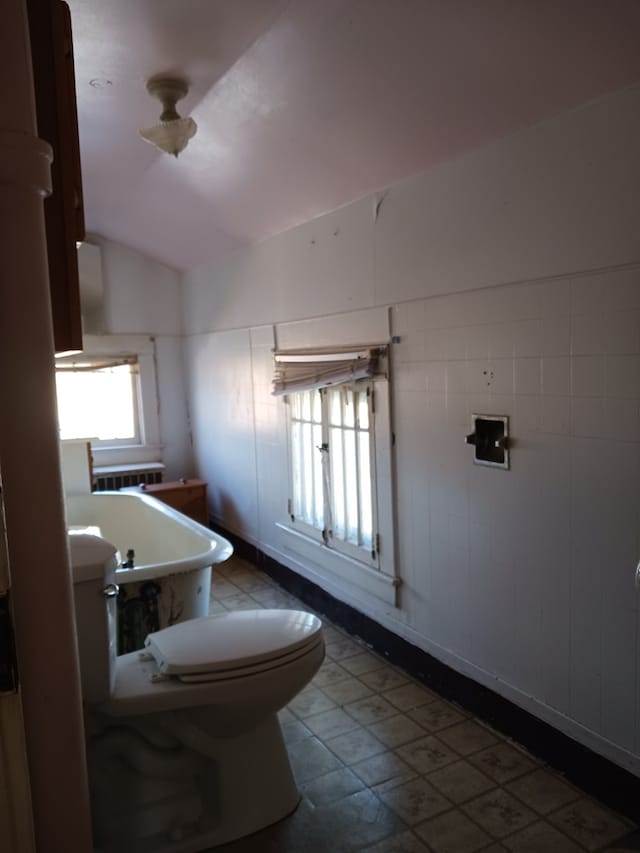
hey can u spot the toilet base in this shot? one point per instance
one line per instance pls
(176, 788)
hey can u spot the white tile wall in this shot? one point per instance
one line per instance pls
(523, 578)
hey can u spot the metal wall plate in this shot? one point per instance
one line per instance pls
(490, 438)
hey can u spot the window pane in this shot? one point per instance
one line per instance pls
(97, 404)
(318, 515)
(317, 406)
(306, 462)
(366, 510)
(297, 467)
(348, 410)
(337, 478)
(295, 401)
(335, 407)
(351, 486)
(363, 410)
(305, 414)
(307, 469)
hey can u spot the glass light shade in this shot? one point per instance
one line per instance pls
(170, 136)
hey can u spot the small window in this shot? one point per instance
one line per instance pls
(98, 398)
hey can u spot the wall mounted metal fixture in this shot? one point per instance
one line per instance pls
(490, 438)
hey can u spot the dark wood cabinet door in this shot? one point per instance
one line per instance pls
(54, 82)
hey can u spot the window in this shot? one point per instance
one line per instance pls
(98, 399)
(333, 465)
(340, 505)
(108, 394)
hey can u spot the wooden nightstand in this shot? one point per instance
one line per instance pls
(187, 496)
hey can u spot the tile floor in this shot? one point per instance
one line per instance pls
(387, 766)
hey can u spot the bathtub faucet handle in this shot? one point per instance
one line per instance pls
(111, 590)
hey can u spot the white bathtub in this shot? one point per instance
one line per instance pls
(171, 577)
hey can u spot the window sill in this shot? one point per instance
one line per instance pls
(325, 561)
(132, 454)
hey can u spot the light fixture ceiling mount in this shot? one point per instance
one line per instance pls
(173, 132)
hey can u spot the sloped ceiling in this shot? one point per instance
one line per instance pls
(305, 105)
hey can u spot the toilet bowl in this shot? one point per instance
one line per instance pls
(184, 746)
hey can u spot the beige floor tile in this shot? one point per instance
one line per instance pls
(332, 786)
(285, 716)
(467, 737)
(222, 588)
(355, 746)
(270, 597)
(310, 758)
(384, 768)
(360, 820)
(427, 754)
(543, 791)
(499, 813)
(310, 701)
(329, 673)
(502, 762)
(453, 832)
(405, 842)
(415, 801)
(371, 709)
(395, 731)
(409, 696)
(294, 730)
(436, 715)
(332, 633)
(250, 581)
(361, 663)
(347, 690)
(541, 837)
(342, 647)
(240, 601)
(590, 824)
(384, 678)
(330, 724)
(460, 781)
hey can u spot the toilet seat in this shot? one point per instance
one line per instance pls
(282, 646)
(233, 645)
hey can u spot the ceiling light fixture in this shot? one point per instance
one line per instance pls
(173, 133)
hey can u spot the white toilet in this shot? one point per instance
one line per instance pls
(184, 746)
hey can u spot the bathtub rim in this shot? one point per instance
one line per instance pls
(219, 550)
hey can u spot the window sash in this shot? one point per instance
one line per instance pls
(333, 491)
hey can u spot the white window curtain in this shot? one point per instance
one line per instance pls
(307, 369)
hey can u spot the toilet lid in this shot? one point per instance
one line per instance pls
(231, 641)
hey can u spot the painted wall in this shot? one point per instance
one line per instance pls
(142, 297)
(512, 277)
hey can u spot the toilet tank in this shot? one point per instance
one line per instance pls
(93, 564)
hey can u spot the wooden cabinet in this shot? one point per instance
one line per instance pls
(187, 496)
(54, 84)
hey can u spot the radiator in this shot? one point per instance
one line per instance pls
(111, 478)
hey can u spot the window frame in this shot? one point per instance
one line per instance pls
(378, 577)
(134, 381)
(367, 555)
(147, 447)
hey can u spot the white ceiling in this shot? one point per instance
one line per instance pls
(305, 105)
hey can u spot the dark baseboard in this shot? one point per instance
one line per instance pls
(594, 774)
